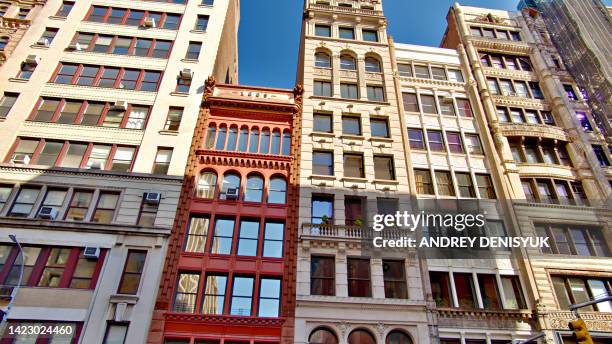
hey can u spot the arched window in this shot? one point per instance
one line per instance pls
(372, 65)
(242, 139)
(230, 188)
(264, 144)
(276, 142)
(286, 142)
(3, 42)
(398, 337)
(221, 138)
(322, 336)
(210, 136)
(322, 60)
(278, 191)
(207, 184)
(347, 62)
(254, 140)
(254, 189)
(231, 139)
(361, 337)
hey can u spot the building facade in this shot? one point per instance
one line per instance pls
(15, 19)
(473, 297)
(552, 168)
(580, 30)
(229, 274)
(100, 100)
(353, 166)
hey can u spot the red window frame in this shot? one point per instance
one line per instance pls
(100, 73)
(124, 18)
(41, 262)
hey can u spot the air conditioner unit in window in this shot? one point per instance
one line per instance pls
(21, 159)
(48, 213)
(43, 41)
(32, 60)
(75, 46)
(96, 165)
(186, 74)
(231, 193)
(152, 197)
(91, 252)
(120, 105)
(148, 22)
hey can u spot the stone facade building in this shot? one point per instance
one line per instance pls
(15, 19)
(99, 102)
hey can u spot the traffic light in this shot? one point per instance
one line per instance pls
(581, 333)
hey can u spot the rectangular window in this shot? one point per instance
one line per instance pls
(428, 103)
(569, 91)
(54, 267)
(186, 292)
(506, 87)
(410, 102)
(162, 160)
(353, 166)
(202, 23)
(122, 159)
(322, 275)
(438, 73)
(489, 292)
(535, 90)
(444, 183)
(137, 117)
(370, 35)
(193, 50)
(274, 233)
(74, 155)
(376, 93)
(436, 141)
(384, 167)
(84, 272)
(415, 138)
(485, 186)
(54, 199)
(79, 205)
(98, 157)
(322, 30)
(132, 272)
(105, 209)
(30, 257)
(405, 70)
(358, 271)
(148, 213)
(532, 117)
(394, 275)
(455, 75)
(322, 208)
(447, 107)
(49, 153)
(379, 127)
(493, 87)
(464, 286)
(248, 238)
(173, 121)
(440, 288)
(517, 116)
(600, 154)
(464, 183)
(6, 103)
(421, 71)
(513, 292)
(349, 91)
(570, 290)
(65, 9)
(115, 333)
(322, 123)
(521, 89)
(214, 294)
(222, 236)
(322, 89)
(48, 36)
(269, 297)
(423, 182)
(24, 203)
(454, 142)
(242, 296)
(323, 163)
(162, 50)
(346, 32)
(197, 234)
(351, 125)
(473, 144)
(26, 71)
(172, 21)
(5, 192)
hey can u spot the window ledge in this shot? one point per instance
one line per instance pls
(39, 46)
(386, 181)
(124, 298)
(19, 80)
(190, 60)
(197, 31)
(352, 137)
(354, 179)
(321, 133)
(205, 6)
(179, 94)
(322, 176)
(57, 18)
(380, 139)
(168, 132)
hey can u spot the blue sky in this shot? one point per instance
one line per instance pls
(269, 35)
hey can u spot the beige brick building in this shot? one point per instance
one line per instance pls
(99, 103)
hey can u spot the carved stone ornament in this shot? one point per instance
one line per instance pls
(343, 327)
(380, 327)
(209, 86)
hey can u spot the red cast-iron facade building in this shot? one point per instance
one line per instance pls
(229, 275)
